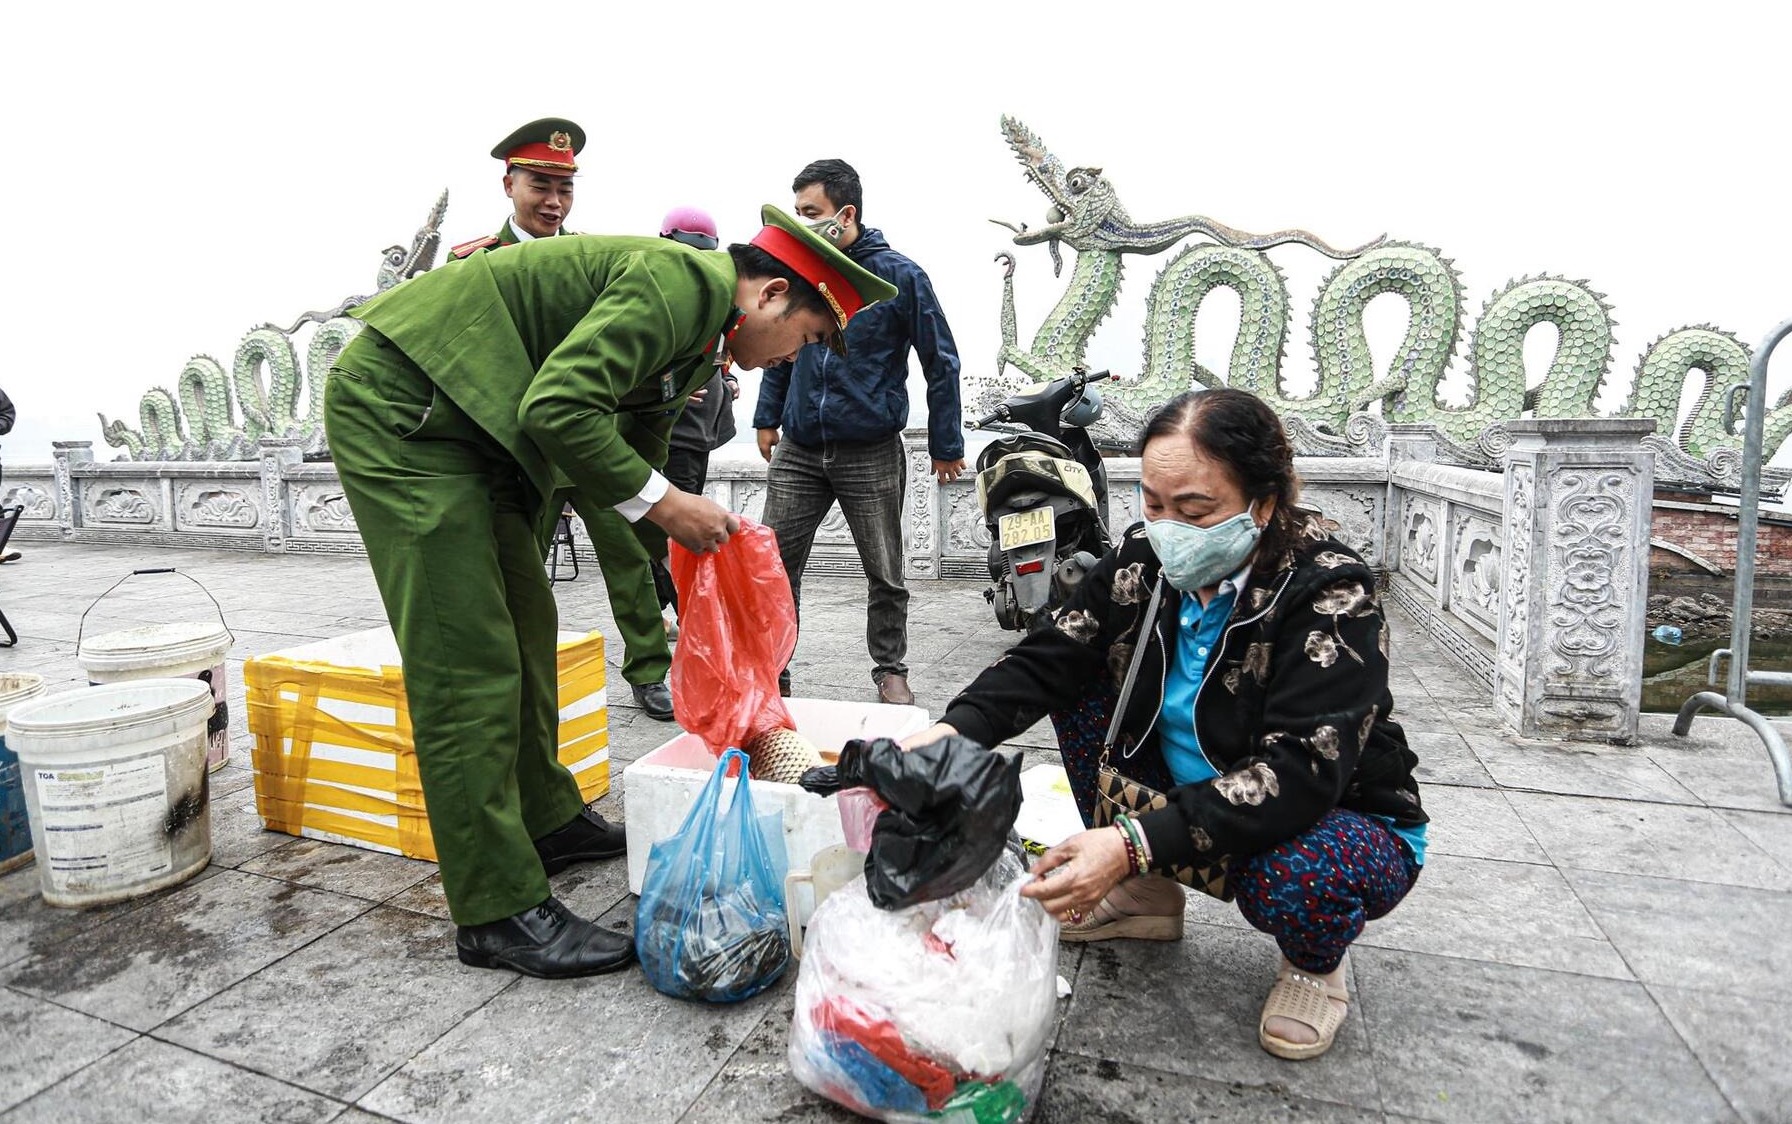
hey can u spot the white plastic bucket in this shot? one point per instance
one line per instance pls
(186, 649)
(15, 823)
(116, 787)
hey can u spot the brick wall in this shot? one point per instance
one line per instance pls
(1710, 532)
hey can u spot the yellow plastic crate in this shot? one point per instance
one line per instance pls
(333, 757)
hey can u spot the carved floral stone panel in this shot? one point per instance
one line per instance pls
(36, 502)
(1421, 537)
(966, 533)
(749, 499)
(322, 509)
(1514, 634)
(918, 527)
(215, 505)
(1353, 516)
(129, 504)
(1589, 536)
(1476, 578)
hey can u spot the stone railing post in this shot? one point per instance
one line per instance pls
(68, 454)
(277, 455)
(1577, 522)
(920, 510)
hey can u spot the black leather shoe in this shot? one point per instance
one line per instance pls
(655, 699)
(586, 837)
(547, 941)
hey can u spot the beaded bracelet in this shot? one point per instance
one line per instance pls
(1136, 855)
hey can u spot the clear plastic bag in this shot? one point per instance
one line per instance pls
(711, 921)
(736, 631)
(940, 1011)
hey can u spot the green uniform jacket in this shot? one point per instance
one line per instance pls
(574, 354)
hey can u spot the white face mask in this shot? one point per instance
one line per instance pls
(1199, 557)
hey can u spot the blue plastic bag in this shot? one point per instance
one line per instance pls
(711, 921)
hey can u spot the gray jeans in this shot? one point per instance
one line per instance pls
(867, 478)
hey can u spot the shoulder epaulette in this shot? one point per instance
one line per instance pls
(467, 249)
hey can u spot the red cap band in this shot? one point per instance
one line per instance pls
(543, 157)
(813, 268)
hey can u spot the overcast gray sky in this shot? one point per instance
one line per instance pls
(179, 173)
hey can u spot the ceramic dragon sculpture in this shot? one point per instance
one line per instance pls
(219, 415)
(1338, 414)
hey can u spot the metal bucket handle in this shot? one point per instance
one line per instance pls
(82, 628)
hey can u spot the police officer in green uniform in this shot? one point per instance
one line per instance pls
(473, 397)
(540, 160)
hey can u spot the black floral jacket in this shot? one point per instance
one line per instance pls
(1293, 710)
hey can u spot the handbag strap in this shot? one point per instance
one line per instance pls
(1132, 669)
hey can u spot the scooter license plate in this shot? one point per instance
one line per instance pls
(1024, 528)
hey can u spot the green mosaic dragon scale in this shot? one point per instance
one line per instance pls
(1085, 214)
(215, 416)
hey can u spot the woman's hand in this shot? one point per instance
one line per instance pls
(930, 735)
(1073, 877)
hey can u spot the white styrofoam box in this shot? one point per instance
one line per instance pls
(661, 787)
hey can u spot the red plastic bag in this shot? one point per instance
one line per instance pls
(736, 631)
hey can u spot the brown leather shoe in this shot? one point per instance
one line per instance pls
(893, 689)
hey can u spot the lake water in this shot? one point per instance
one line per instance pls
(1673, 673)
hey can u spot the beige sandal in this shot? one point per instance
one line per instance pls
(1137, 909)
(1304, 998)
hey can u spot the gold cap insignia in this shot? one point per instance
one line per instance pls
(560, 142)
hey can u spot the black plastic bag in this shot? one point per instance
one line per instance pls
(951, 804)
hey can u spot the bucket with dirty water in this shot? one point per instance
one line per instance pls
(15, 825)
(116, 787)
(184, 649)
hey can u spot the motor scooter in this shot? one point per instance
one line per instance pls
(1042, 489)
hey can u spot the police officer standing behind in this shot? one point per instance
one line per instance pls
(540, 160)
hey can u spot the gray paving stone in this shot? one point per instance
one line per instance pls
(1739, 1049)
(1575, 770)
(605, 1048)
(341, 1013)
(185, 946)
(151, 1081)
(27, 925)
(1424, 716)
(1477, 823)
(1445, 758)
(1191, 1008)
(756, 1082)
(593, 889)
(1694, 934)
(1723, 780)
(340, 869)
(1664, 840)
(426, 897)
(1513, 913)
(1081, 1089)
(45, 1043)
(1474, 1041)
(231, 779)
(1769, 831)
(237, 834)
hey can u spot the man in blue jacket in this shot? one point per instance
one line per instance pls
(841, 421)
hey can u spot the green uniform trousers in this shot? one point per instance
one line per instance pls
(454, 533)
(628, 578)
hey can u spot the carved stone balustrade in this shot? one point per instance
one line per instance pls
(1535, 577)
